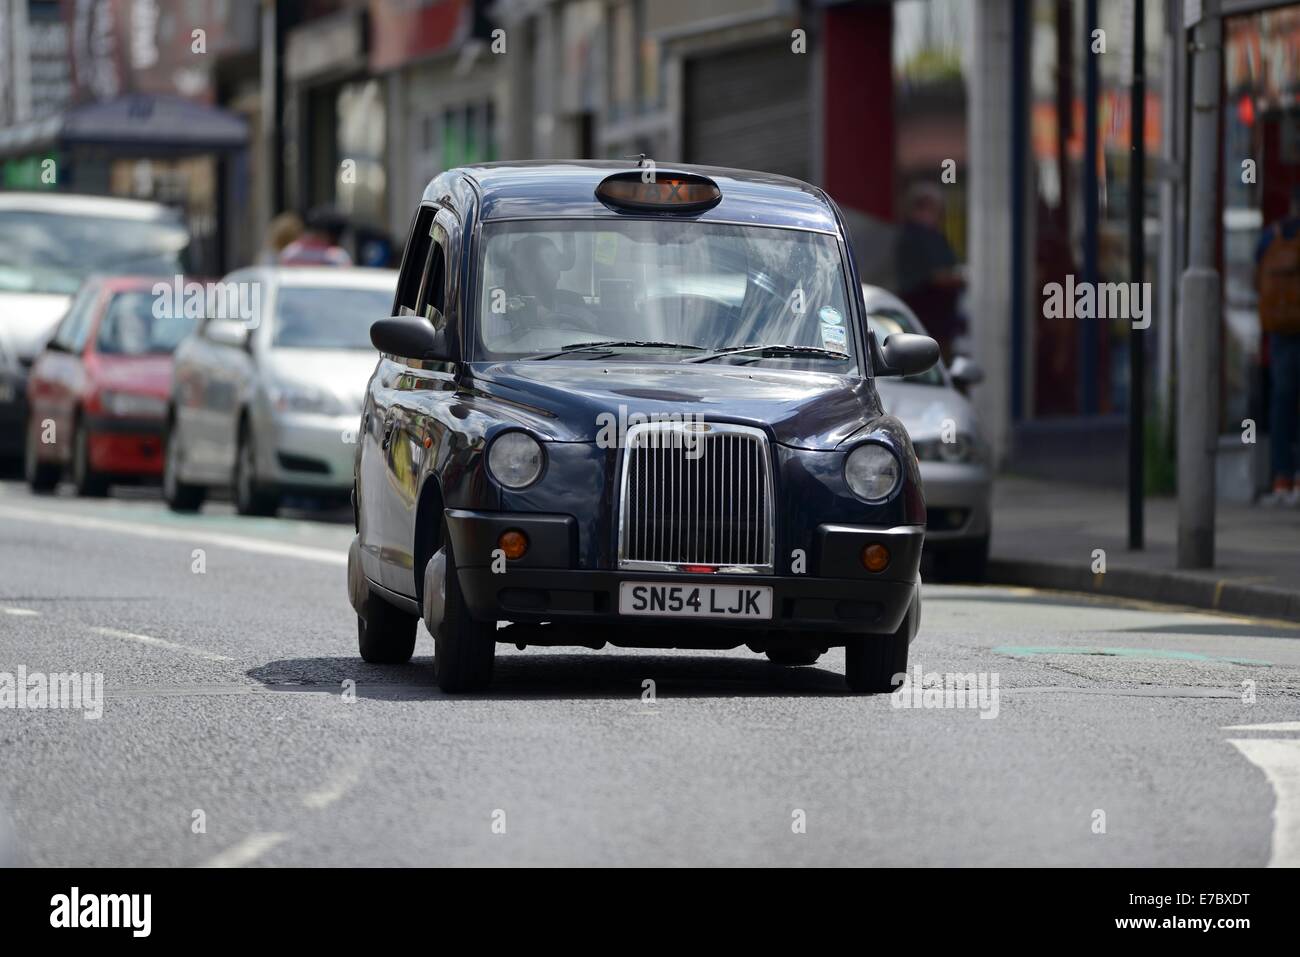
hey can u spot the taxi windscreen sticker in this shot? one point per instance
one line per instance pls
(832, 329)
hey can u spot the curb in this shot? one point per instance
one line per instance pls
(1169, 587)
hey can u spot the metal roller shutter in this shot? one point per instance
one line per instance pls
(750, 109)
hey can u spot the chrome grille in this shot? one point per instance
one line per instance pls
(707, 504)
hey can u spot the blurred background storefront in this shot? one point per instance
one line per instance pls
(117, 94)
(1007, 122)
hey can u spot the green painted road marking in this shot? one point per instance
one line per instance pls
(1024, 651)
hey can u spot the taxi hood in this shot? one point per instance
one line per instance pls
(574, 400)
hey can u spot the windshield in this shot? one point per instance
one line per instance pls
(328, 317)
(130, 328)
(681, 285)
(54, 252)
(884, 322)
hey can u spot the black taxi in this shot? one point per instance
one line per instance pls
(628, 405)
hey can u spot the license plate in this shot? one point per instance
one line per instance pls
(695, 601)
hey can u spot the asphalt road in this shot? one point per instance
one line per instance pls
(225, 705)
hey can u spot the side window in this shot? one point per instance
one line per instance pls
(72, 331)
(413, 263)
(433, 292)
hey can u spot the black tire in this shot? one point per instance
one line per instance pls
(42, 477)
(385, 634)
(463, 649)
(251, 496)
(88, 482)
(967, 562)
(794, 657)
(872, 662)
(179, 496)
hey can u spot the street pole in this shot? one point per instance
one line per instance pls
(1137, 273)
(1198, 318)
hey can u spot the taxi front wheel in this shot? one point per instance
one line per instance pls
(463, 649)
(876, 664)
(385, 635)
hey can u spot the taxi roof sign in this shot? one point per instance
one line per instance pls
(659, 191)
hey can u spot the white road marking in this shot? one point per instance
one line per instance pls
(1276, 726)
(335, 789)
(159, 643)
(1280, 762)
(247, 850)
(22, 612)
(191, 536)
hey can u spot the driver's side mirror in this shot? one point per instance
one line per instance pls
(227, 332)
(905, 353)
(411, 337)
(965, 371)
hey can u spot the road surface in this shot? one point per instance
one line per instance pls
(239, 726)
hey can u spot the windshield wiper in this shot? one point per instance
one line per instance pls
(775, 349)
(604, 344)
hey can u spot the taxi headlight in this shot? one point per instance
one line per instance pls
(515, 459)
(872, 472)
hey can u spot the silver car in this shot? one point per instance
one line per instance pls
(267, 393)
(49, 243)
(952, 452)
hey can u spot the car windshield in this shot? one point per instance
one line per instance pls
(130, 327)
(884, 322)
(666, 288)
(328, 317)
(53, 252)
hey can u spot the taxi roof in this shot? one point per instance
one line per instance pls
(567, 189)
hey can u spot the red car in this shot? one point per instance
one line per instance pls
(97, 395)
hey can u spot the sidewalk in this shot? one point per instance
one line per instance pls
(1044, 534)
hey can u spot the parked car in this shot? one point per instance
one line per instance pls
(49, 244)
(98, 393)
(949, 445)
(268, 403)
(615, 406)
(13, 399)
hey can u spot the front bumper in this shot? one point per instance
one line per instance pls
(126, 446)
(836, 594)
(958, 502)
(310, 452)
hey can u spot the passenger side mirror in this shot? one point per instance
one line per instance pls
(410, 337)
(966, 371)
(904, 354)
(227, 332)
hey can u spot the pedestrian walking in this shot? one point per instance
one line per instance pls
(1278, 276)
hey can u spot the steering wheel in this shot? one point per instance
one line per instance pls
(575, 321)
(686, 298)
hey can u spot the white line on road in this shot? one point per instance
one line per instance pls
(247, 850)
(334, 789)
(189, 535)
(159, 643)
(1276, 726)
(22, 612)
(1280, 762)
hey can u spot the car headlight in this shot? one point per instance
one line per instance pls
(132, 404)
(304, 398)
(515, 459)
(872, 472)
